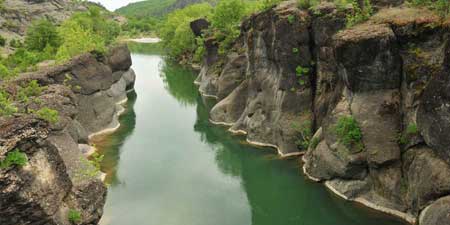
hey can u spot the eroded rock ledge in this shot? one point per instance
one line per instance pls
(389, 73)
(85, 91)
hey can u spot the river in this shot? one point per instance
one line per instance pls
(167, 165)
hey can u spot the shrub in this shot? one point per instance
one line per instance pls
(306, 4)
(304, 134)
(96, 160)
(6, 106)
(74, 216)
(360, 13)
(32, 89)
(5, 73)
(14, 158)
(302, 73)
(2, 41)
(314, 142)
(42, 34)
(412, 129)
(14, 43)
(267, 4)
(441, 6)
(349, 133)
(48, 115)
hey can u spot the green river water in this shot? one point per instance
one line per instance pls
(167, 165)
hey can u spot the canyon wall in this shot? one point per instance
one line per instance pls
(58, 178)
(292, 67)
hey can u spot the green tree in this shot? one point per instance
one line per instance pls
(176, 32)
(41, 34)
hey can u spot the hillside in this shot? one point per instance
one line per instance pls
(155, 8)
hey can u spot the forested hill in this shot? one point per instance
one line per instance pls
(155, 8)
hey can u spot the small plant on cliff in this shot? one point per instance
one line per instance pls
(267, 4)
(302, 73)
(74, 216)
(360, 13)
(96, 160)
(349, 133)
(411, 131)
(440, 6)
(2, 41)
(14, 158)
(295, 50)
(5, 73)
(304, 134)
(306, 4)
(48, 115)
(291, 19)
(29, 91)
(314, 142)
(6, 106)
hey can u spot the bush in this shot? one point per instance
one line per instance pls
(5, 73)
(306, 4)
(349, 133)
(32, 89)
(14, 158)
(176, 32)
(302, 73)
(304, 134)
(2, 41)
(6, 106)
(360, 14)
(441, 6)
(74, 216)
(42, 34)
(48, 115)
(412, 129)
(14, 43)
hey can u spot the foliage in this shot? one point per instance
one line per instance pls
(225, 21)
(14, 43)
(440, 6)
(6, 106)
(412, 129)
(32, 89)
(96, 160)
(360, 13)
(295, 50)
(47, 114)
(302, 73)
(314, 142)
(304, 134)
(42, 34)
(74, 216)
(349, 133)
(176, 32)
(14, 158)
(306, 4)
(267, 4)
(85, 32)
(200, 51)
(136, 26)
(2, 41)
(5, 72)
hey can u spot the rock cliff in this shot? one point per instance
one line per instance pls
(294, 68)
(58, 178)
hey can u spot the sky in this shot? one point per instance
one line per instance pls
(115, 4)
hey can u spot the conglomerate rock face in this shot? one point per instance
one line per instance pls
(85, 92)
(391, 74)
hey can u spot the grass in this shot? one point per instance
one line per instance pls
(14, 158)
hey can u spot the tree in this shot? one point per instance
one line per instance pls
(41, 34)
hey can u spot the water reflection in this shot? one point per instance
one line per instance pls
(113, 143)
(179, 82)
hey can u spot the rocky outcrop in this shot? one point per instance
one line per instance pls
(389, 74)
(58, 177)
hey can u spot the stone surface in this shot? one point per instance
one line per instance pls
(437, 213)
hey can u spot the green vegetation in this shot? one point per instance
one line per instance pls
(42, 34)
(360, 13)
(176, 32)
(48, 114)
(96, 160)
(306, 4)
(2, 41)
(14, 158)
(411, 131)
(304, 134)
(302, 74)
(295, 50)
(30, 91)
(440, 6)
(6, 106)
(314, 142)
(74, 216)
(83, 32)
(349, 133)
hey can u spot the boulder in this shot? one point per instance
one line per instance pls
(437, 213)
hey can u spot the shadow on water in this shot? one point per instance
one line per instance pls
(113, 143)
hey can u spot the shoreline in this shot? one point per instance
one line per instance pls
(145, 40)
(360, 200)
